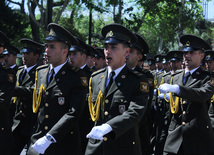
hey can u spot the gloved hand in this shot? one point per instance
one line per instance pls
(41, 145)
(164, 88)
(167, 96)
(155, 91)
(98, 132)
(161, 96)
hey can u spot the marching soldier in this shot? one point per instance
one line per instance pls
(58, 98)
(24, 118)
(151, 64)
(7, 84)
(210, 68)
(190, 130)
(138, 50)
(77, 56)
(117, 98)
(100, 61)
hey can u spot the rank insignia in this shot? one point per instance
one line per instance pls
(61, 100)
(144, 87)
(212, 81)
(122, 108)
(84, 81)
(123, 76)
(11, 78)
(102, 76)
(150, 81)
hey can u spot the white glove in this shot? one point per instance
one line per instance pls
(167, 96)
(41, 145)
(161, 96)
(98, 132)
(155, 91)
(164, 88)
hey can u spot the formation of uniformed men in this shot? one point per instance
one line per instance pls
(66, 107)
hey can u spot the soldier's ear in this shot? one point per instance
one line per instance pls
(127, 51)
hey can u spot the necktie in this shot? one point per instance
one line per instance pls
(186, 76)
(111, 80)
(51, 75)
(23, 75)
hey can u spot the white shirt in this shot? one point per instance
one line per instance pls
(56, 69)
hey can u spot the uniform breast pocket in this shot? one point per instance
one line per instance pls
(120, 103)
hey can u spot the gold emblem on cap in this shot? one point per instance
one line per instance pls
(25, 45)
(188, 43)
(164, 59)
(157, 59)
(111, 33)
(208, 56)
(52, 33)
(175, 55)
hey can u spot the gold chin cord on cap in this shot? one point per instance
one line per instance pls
(37, 99)
(94, 109)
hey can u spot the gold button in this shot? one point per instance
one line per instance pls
(106, 101)
(105, 138)
(46, 93)
(46, 116)
(207, 127)
(183, 123)
(133, 143)
(21, 103)
(184, 112)
(106, 113)
(60, 93)
(46, 105)
(121, 100)
(2, 128)
(184, 102)
(46, 127)
(72, 132)
(20, 111)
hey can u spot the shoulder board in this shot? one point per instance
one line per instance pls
(169, 73)
(145, 70)
(43, 66)
(138, 74)
(177, 72)
(74, 68)
(20, 67)
(97, 72)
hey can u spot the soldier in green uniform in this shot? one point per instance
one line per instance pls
(209, 59)
(24, 118)
(190, 130)
(58, 98)
(138, 50)
(77, 56)
(151, 63)
(117, 98)
(7, 84)
(100, 61)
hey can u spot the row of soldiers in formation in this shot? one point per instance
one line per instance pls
(66, 107)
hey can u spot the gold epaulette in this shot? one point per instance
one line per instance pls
(97, 72)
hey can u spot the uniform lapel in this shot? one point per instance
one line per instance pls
(28, 75)
(192, 79)
(102, 81)
(179, 79)
(44, 78)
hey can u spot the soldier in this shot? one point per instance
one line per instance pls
(209, 59)
(7, 84)
(90, 60)
(58, 97)
(151, 64)
(190, 130)
(137, 53)
(77, 57)
(24, 118)
(4, 40)
(100, 61)
(10, 55)
(117, 98)
(175, 60)
(166, 64)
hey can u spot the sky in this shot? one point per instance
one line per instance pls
(211, 9)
